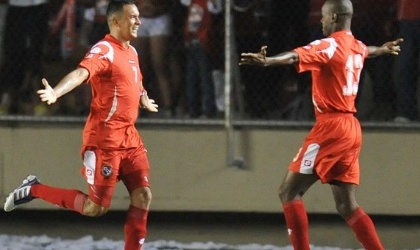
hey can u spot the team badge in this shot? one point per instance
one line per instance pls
(106, 171)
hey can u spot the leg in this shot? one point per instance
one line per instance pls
(100, 189)
(291, 191)
(135, 228)
(208, 102)
(191, 82)
(295, 185)
(134, 172)
(95, 204)
(13, 59)
(177, 70)
(355, 216)
(405, 70)
(37, 34)
(71, 199)
(383, 87)
(159, 51)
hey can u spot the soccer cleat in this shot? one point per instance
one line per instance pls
(22, 194)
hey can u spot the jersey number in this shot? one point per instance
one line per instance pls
(354, 67)
(135, 74)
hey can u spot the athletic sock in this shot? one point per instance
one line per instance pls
(66, 198)
(297, 224)
(135, 228)
(364, 229)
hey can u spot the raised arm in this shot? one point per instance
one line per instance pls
(261, 59)
(68, 83)
(391, 47)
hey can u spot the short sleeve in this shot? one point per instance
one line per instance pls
(315, 54)
(98, 60)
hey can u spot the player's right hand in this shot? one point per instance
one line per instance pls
(259, 58)
(48, 94)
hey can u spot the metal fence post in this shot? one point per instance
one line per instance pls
(230, 75)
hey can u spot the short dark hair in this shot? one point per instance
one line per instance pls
(116, 6)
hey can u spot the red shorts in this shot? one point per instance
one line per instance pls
(104, 168)
(331, 150)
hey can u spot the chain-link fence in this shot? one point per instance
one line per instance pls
(48, 40)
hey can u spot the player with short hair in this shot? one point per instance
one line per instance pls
(112, 148)
(330, 152)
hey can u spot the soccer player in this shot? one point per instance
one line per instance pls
(112, 149)
(330, 152)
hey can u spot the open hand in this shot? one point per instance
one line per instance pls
(392, 47)
(48, 94)
(259, 58)
(148, 104)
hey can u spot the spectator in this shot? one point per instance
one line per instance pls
(217, 51)
(373, 23)
(296, 103)
(3, 9)
(247, 38)
(94, 26)
(25, 33)
(176, 59)
(199, 82)
(260, 17)
(407, 65)
(314, 19)
(153, 44)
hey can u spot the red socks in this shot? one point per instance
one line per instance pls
(135, 228)
(364, 229)
(297, 224)
(65, 198)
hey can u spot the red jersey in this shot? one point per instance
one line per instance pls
(336, 63)
(199, 21)
(115, 78)
(408, 10)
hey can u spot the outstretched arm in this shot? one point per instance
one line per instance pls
(391, 47)
(68, 83)
(261, 59)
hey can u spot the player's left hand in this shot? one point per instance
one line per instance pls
(392, 47)
(259, 58)
(148, 104)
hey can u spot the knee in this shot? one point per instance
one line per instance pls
(94, 210)
(345, 209)
(284, 194)
(141, 197)
(281, 193)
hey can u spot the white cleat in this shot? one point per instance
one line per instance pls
(22, 194)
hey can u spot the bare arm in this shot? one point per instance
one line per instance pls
(261, 59)
(67, 84)
(145, 102)
(391, 47)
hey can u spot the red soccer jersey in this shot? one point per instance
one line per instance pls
(115, 78)
(336, 63)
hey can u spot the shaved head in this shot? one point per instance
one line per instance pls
(340, 7)
(336, 16)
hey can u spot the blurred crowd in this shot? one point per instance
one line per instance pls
(181, 50)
